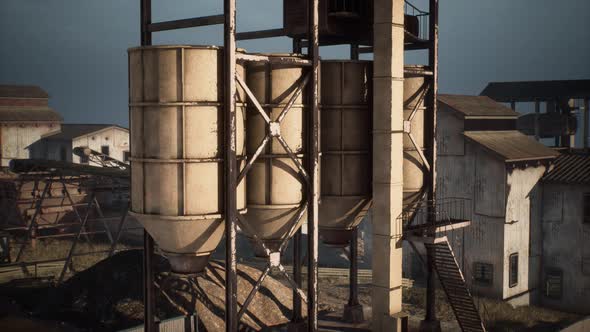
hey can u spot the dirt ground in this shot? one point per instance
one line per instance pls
(108, 296)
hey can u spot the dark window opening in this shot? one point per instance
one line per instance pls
(63, 153)
(586, 266)
(104, 150)
(553, 283)
(84, 159)
(513, 273)
(586, 208)
(483, 273)
(126, 156)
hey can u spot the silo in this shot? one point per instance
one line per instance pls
(415, 89)
(275, 186)
(176, 117)
(346, 162)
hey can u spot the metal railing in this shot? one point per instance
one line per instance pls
(422, 16)
(442, 211)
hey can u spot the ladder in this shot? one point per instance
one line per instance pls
(453, 284)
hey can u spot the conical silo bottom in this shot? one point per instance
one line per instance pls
(338, 216)
(186, 241)
(271, 224)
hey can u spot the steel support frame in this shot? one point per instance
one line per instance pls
(310, 174)
(314, 169)
(430, 121)
(149, 294)
(298, 293)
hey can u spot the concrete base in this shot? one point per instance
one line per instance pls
(299, 326)
(353, 314)
(393, 323)
(430, 326)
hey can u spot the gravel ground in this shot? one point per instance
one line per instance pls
(107, 296)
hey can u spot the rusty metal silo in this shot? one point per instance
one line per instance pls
(275, 187)
(176, 117)
(415, 89)
(346, 139)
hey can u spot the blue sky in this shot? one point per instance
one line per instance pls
(76, 49)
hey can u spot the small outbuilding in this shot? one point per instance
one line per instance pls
(107, 139)
(483, 158)
(25, 116)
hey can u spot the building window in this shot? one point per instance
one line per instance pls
(84, 159)
(553, 283)
(513, 270)
(586, 266)
(126, 155)
(586, 208)
(104, 150)
(63, 153)
(483, 273)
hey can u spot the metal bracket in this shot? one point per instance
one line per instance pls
(274, 128)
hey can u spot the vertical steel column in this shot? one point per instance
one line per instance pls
(585, 126)
(431, 156)
(353, 299)
(313, 193)
(231, 176)
(537, 111)
(297, 316)
(149, 296)
(353, 311)
(354, 51)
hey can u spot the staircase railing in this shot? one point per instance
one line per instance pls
(442, 211)
(479, 303)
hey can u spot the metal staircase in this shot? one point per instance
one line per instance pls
(453, 283)
(427, 223)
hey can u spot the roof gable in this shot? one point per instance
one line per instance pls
(511, 145)
(71, 131)
(22, 91)
(572, 166)
(28, 114)
(477, 106)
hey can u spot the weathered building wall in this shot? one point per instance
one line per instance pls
(566, 246)
(517, 238)
(536, 242)
(117, 139)
(484, 238)
(16, 139)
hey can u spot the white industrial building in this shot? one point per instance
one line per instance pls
(481, 157)
(24, 118)
(561, 233)
(107, 139)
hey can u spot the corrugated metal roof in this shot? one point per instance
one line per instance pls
(477, 106)
(70, 131)
(28, 114)
(22, 91)
(571, 166)
(511, 145)
(537, 90)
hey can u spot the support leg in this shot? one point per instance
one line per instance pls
(353, 310)
(430, 322)
(297, 323)
(149, 296)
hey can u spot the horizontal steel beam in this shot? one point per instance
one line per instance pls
(186, 23)
(271, 33)
(368, 49)
(273, 59)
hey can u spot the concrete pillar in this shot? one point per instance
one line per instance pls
(387, 164)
